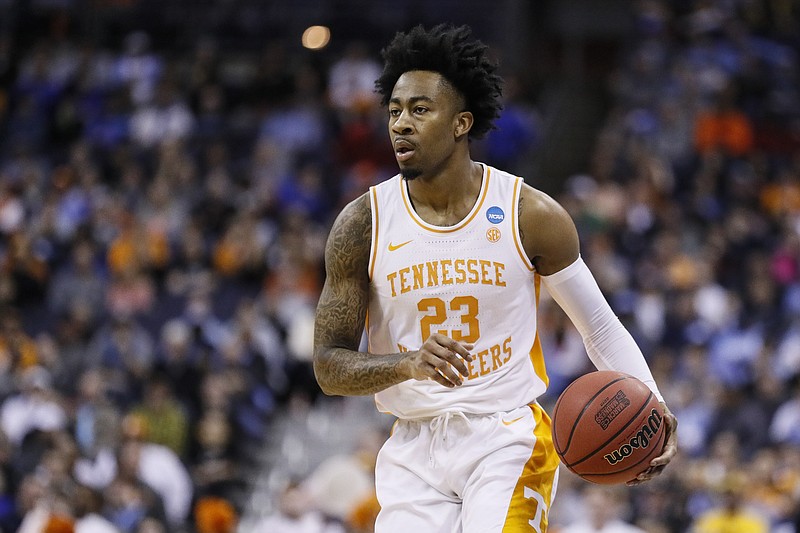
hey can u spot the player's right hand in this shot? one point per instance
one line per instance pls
(441, 359)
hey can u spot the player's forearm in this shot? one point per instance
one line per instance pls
(608, 343)
(344, 372)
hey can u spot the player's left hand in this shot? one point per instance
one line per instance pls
(658, 464)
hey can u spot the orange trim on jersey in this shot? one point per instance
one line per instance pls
(537, 358)
(515, 225)
(374, 250)
(537, 354)
(533, 493)
(475, 210)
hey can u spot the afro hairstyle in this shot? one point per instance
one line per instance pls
(462, 61)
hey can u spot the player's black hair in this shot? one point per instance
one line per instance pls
(462, 61)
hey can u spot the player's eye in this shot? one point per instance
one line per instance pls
(420, 110)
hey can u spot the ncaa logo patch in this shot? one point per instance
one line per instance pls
(495, 215)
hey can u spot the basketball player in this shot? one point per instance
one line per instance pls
(443, 264)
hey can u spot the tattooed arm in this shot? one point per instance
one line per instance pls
(338, 365)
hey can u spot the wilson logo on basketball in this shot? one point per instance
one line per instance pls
(611, 408)
(642, 439)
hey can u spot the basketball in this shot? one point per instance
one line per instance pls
(607, 427)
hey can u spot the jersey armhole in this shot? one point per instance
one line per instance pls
(515, 225)
(373, 248)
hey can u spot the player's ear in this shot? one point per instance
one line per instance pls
(464, 122)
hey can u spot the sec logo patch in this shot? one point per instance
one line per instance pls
(493, 234)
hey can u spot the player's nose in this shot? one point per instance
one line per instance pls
(401, 124)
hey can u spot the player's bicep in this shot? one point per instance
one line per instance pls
(547, 232)
(342, 306)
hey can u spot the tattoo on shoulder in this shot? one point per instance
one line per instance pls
(350, 239)
(519, 217)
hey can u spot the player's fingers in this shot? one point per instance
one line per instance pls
(658, 464)
(445, 368)
(447, 359)
(647, 475)
(460, 348)
(441, 376)
(671, 444)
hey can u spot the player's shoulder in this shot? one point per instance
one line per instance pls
(538, 204)
(350, 238)
(533, 203)
(354, 217)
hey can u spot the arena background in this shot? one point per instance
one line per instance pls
(168, 173)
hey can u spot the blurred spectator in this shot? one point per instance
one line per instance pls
(12, 208)
(242, 249)
(189, 269)
(785, 425)
(138, 67)
(151, 525)
(731, 514)
(109, 125)
(156, 468)
(137, 247)
(296, 514)
(164, 419)
(129, 503)
(178, 359)
(215, 467)
(342, 485)
(125, 349)
(516, 131)
(88, 506)
(724, 127)
(166, 118)
(80, 285)
(36, 407)
(18, 351)
(351, 79)
(300, 125)
(303, 191)
(27, 270)
(741, 414)
(603, 513)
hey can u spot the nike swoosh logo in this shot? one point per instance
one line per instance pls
(509, 422)
(393, 247)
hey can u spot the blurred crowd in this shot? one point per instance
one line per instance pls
(163, 216)
(690, 220)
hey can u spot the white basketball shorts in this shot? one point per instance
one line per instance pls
(463, 473)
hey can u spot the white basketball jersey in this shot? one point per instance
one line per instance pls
(472, 282)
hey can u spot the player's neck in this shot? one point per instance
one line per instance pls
(445, 198)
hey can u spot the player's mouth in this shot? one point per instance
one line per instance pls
(403, 150)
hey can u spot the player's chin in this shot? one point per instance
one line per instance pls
(410, 173)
